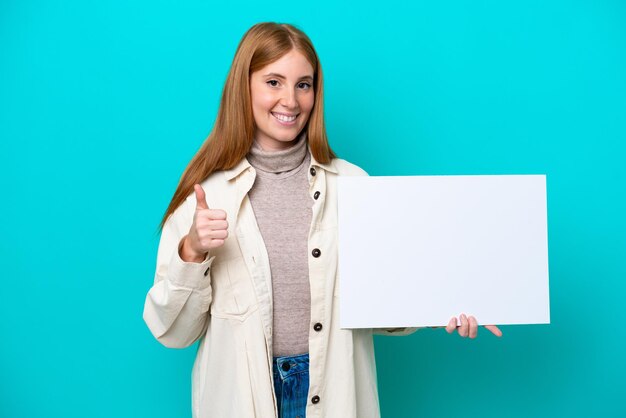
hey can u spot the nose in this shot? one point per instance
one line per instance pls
(289, 98)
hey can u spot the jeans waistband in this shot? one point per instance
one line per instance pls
(290, 365)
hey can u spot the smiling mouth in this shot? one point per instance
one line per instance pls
(285, 119)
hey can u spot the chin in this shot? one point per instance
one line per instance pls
(287, 138)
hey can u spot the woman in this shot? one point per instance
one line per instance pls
(247, 261)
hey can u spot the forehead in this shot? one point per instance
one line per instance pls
(292, 64)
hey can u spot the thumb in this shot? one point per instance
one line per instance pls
(200, 197)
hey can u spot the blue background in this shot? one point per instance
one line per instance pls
(102, 104)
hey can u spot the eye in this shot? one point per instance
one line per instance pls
(303, 85)
(272, 83)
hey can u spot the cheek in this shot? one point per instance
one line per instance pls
(262, 102)
(308, 102)
(260, 108)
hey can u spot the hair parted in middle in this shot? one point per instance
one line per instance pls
(233, 131)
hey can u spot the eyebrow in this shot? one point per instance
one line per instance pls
(306, 77)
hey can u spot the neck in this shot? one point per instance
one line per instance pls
(272, 146)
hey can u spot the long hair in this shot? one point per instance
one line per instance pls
(233, 131)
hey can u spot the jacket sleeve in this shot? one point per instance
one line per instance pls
(395, 331)
(177, 304)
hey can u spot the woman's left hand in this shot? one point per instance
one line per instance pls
(469, 327)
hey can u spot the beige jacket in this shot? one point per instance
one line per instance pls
(226, 303)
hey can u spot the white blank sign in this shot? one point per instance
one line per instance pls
(415, 251)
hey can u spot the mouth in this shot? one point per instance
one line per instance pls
(285, 119)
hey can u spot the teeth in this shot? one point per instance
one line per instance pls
(284, 118)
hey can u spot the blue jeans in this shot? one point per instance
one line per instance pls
(291, 384)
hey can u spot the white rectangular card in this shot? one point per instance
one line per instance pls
(417, 250)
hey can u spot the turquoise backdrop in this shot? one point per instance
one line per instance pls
(102, 104)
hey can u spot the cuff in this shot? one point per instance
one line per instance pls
(189, 274)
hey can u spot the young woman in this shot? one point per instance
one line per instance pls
(247, 261)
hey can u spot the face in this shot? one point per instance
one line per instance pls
(282, 99)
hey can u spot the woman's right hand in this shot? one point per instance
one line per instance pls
(208, 230)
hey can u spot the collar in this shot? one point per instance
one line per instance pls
(244, 164)
(281, 163)
(330, 167)
(241, 166)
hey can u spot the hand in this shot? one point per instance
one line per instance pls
(208, 230)
(469, 327)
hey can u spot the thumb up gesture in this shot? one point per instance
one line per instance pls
(208, 230)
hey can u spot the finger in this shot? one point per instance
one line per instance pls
(463, 329)
(202, 221)
(217, 214)
(473, 327)
(218, 234)
(211, 214)
(216, 225)
(200, 197)
(451, 325)
(216, 243)
(494, 330)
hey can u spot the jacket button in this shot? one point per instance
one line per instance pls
(316, 195)
(315, 399)
(316, 252)
(285, 366)
(317, 327)
(312, 171)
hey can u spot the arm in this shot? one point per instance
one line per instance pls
(177, 305)
(468, 328)
(395, 331)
